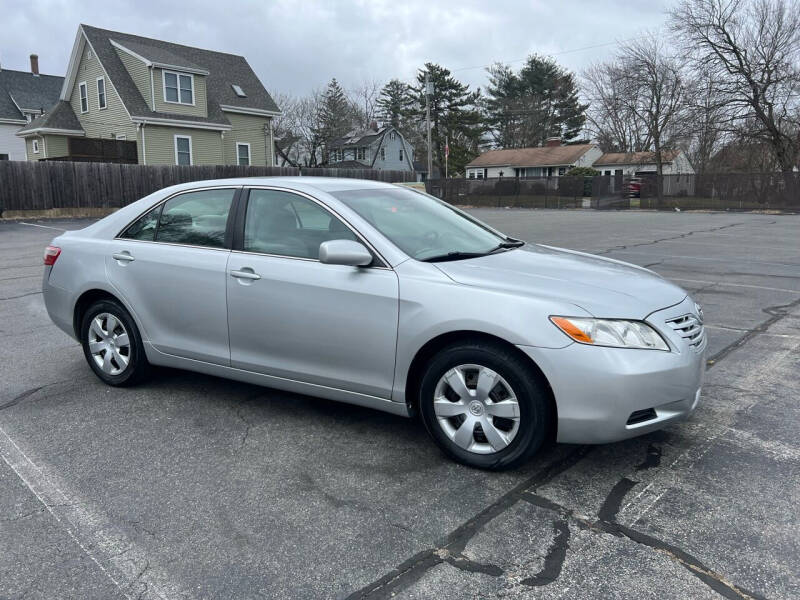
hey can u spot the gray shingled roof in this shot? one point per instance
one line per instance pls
(160, 55)
(359, 138)
(60, 116)
(28, 91)
(224, 70)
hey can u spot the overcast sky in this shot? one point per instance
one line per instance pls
(295, 46)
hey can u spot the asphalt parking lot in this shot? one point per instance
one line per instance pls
(195, 487)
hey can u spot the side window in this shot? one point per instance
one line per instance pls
(196, 218)
(286, 224)
(144, 228)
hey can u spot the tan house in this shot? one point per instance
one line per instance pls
(551, 160)
(127, 98)
(632, 164)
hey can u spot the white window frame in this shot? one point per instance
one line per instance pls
(383, 153)
(175, 144)
(121, 137)
(83, 94)
(249, 157)
(178, 76)
(105, 94)
(35, 146)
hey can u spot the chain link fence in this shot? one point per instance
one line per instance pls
(729, 191)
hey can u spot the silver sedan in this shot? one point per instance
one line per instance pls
(381, 296)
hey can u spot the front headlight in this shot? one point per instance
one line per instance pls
(616, 333)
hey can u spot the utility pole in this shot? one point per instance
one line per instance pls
(428, 94)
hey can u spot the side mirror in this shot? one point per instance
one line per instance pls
(344, 252)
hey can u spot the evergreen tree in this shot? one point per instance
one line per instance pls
(334, 117)
(394, 103)
(523, 109)
(454, 115)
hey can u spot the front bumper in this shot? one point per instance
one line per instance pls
(598, 389)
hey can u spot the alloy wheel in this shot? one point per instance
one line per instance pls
(476, 408)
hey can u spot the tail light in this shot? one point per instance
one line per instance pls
(51, 254)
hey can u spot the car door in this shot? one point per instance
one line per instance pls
(169, 265)
(291, 316)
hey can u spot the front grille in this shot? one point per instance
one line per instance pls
(690, 328)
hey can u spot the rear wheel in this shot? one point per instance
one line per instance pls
(112, 344)
(484, 406)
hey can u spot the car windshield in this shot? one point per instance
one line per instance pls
(422, 226)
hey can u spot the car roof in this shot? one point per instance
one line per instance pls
(324, 184)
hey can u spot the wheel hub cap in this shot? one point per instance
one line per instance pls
(109, 344)
(476, 408)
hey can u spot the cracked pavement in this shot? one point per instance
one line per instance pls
(196, 487)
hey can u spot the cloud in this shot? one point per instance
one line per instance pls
(296, 46)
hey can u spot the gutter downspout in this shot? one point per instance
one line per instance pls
(222, 143)
(140, 127)
(152, 91)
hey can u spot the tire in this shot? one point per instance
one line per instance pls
(126, 364)
(471, 363)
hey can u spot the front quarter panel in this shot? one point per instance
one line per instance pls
(432, 304)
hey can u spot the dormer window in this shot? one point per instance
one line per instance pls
(238, 91)
(178, 88)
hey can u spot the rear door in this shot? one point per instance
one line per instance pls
(294, 317)
(169, 266)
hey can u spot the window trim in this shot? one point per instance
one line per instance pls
(104, 106)
(249, 156)
(83, 94)
(175, 145)
(35, 146)
(238, 234)
(229, 226)
(178, 75)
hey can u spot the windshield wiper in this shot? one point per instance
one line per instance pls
(511, 243)
(452, 256)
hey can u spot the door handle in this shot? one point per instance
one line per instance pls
(123, 256)
(246, 273)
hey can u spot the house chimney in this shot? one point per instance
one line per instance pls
(374, 125)
(552, 142)
(35, 64)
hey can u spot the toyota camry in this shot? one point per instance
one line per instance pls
(385, 297)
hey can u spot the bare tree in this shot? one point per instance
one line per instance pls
(297, 142)
(709, 121)
(364, 98)
(609, 118)
(654, 91)
(752, 50)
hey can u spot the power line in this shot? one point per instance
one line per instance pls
(603, 45)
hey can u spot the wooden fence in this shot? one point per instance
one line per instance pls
(67, 185)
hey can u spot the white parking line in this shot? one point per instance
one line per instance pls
(42, 226)
(123, 562)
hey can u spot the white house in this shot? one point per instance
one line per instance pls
(631, 164)
(23, 97)
(553, 159)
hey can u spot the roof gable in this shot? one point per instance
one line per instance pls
(362, 137)
(545, 156)
(223, 70)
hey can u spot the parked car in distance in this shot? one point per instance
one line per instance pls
(385, 297)
(634, 187)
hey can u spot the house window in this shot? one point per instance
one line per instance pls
(183, 150)
(401, 155)
(238, 91)
(361, 153)
(383, 153)
(178, 88)
(35, 146)
(3, 156)
(243, 154)
(84, 97)
(101, 93)
(472, 174)
(561, 171)
(392, 136)
(121, 137)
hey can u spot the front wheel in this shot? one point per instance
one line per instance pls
(112, 344)
(484, 406)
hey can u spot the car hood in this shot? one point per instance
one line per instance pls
(604, 287)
